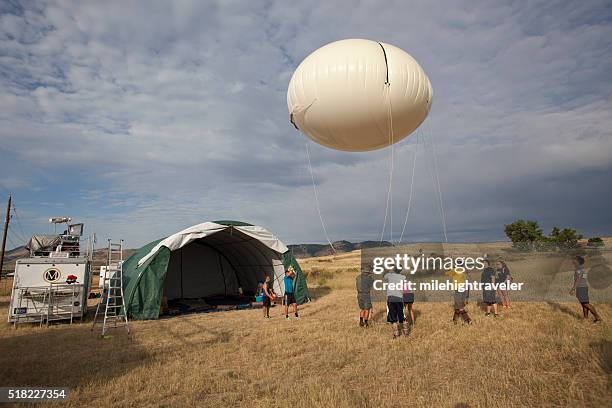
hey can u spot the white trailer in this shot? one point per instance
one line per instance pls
(46, 289)
(53, 283)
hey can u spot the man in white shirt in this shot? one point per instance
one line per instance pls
(395, 302)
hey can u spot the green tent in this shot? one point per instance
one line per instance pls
(221, 258)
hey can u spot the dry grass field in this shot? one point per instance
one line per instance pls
(538, 354)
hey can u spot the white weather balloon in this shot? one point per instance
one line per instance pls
(348, 95)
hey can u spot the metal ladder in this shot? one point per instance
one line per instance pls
(112, 291)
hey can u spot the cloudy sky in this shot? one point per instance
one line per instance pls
(141, 118)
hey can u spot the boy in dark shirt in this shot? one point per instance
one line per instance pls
(488, 295)
(364, 298)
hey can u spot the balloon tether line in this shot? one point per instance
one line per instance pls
(414, 158)
(391, 141)
(316, 196)
(391, 166)
(436, 181)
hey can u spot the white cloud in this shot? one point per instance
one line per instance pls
(171, 113)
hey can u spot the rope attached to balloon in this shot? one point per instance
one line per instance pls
(391, 162)
(414, 159)
(436, 182)
(316, 195)
(389, 204)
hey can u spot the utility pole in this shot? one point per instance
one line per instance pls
(6, 225)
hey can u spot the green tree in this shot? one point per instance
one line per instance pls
(524, 234)
(564, 238)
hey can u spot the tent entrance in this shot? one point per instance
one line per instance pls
(219, 272)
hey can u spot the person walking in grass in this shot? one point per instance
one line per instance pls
(460, 296)
(408, 299)
(503, 276)
(581, 288)
(488, 294)
(268, 296)
(364, 297)
(395, 303)
(289, 298)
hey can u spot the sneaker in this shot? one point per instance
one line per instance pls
(297, 317)
(487, 314)
(361, 324)
(597, 321)
(497, 315)
(286, 317)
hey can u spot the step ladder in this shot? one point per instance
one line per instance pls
(112, 300)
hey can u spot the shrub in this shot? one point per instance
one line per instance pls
(595, 241)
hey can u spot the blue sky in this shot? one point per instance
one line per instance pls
(141, 118)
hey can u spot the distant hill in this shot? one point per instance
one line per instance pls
(310, 250)
(11, 256)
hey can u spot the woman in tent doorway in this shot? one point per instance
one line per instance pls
(581, 287)
(289, 298)
(268, 296)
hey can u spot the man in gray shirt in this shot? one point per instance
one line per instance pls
(581, 287)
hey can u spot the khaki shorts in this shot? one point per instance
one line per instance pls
(364, 300)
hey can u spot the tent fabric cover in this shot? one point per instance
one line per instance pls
(184, 237)
(43, 242)
(254, 251)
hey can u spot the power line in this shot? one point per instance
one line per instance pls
(17, 236)
(10, 241)
(18, 222)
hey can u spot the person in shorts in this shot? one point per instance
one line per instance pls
(503, 276)
(395, 303)
(268, 296)
(408, 300)
(489, 295)
(460, 296)
(289, 298)
(364, 298)
(581, 288)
